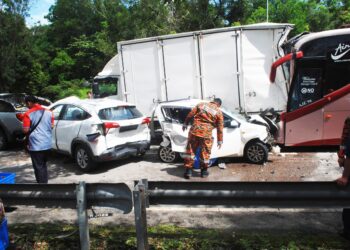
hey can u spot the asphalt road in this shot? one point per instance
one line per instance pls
(281, 167)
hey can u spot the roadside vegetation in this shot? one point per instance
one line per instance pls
(59, 236)
(55, 60)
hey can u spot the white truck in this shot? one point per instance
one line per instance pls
(231, 63)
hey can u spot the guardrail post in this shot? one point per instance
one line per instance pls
(145, 183)
(82, 216)
(140, 217)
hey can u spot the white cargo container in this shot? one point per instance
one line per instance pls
(231, 63)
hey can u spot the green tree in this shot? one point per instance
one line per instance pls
(15, 57)
(192, 15)
(71, 19)
(61, 67)
(149, 18)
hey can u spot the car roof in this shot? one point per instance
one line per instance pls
(183, 103)
(190, 103)
(11, 94)
(92, 104)
(16, 98)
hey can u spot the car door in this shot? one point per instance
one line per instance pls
(9, 122)
(56, 111)
(68, 127)
(232, 143)
(171, 119)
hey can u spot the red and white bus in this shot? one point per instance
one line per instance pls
(317, 68)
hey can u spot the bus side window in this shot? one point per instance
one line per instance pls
(337, 76)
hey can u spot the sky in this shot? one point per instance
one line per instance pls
(38, 9)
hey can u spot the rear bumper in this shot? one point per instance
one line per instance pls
(124, 151)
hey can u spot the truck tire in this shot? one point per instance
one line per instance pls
(256, 152)
(165, 154)
(83, 158)
(3, 140)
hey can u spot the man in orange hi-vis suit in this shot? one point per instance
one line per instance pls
(206, 117)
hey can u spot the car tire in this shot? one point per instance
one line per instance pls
(3, 140)
(165, 154)
(256, 152)
(83, 158)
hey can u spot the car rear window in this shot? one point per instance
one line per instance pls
(119, 113)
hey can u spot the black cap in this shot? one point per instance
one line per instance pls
(30, 98)
(218, 101)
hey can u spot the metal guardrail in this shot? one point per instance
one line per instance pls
(80, 196)
(250, 194)
(231, 194)
(235, 194)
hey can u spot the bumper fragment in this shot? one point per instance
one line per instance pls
(124, 151)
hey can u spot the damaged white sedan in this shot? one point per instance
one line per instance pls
(243, 136)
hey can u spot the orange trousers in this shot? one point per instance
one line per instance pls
(194, 142)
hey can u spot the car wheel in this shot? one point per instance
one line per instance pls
(83, 158)
(256, 152)
(3, 140)
(167, 155)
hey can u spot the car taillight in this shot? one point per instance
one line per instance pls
(20, 116)
(146, 120)
(108, 125)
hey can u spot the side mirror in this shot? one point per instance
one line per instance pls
(234, 124)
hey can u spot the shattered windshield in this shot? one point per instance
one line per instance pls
(233, 114)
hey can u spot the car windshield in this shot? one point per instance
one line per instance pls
(119, 113)
(16, 99)
(233, 114)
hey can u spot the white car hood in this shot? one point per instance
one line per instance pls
(251, 130)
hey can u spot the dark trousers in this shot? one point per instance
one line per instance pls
(39, 159)
(346, 219)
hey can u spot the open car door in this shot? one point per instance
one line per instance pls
(171, 119)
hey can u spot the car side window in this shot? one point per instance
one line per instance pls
(227, 120)
(6, 107)
(74, 113)
(175, 114)
(56, 111)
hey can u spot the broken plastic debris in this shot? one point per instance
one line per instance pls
(222, 165)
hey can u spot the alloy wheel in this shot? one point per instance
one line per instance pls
(167, 155)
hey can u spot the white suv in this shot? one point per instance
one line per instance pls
(94, 130)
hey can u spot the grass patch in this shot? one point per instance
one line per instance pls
(62, 236)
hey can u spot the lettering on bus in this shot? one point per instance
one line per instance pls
(307, 88)
(308, 81)
(340, 53)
